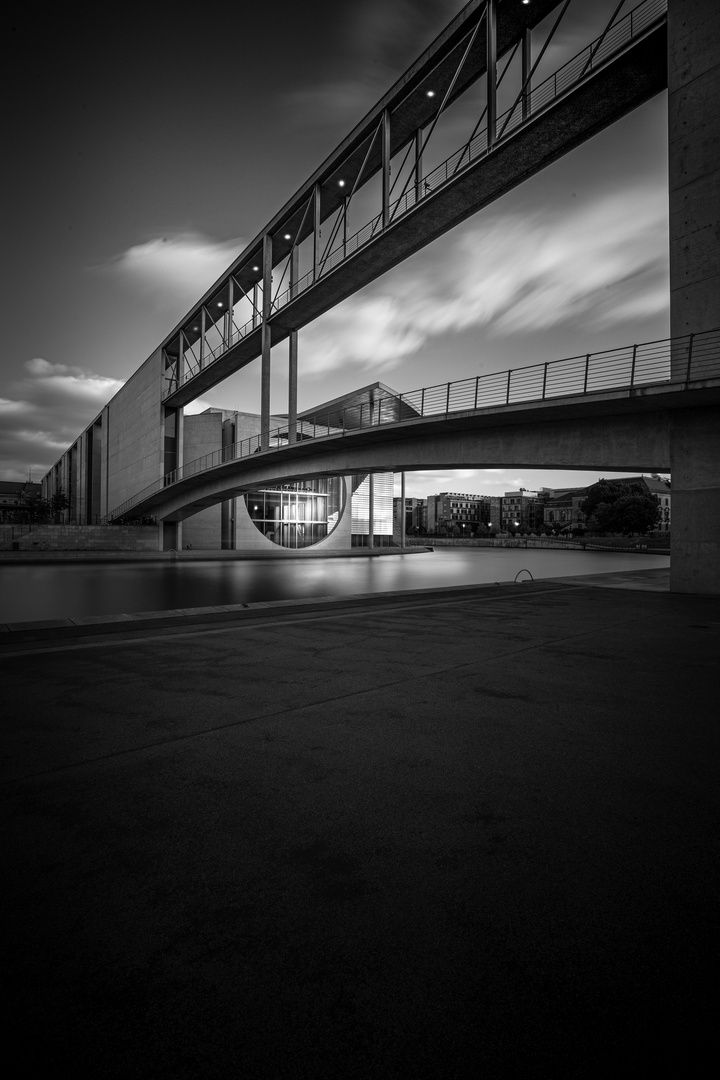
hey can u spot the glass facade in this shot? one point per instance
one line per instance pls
(382, 510)
(297, 515)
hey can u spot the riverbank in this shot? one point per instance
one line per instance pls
(413, 545)
(470, 832)
(61, 589)
(81, 556)
(649, 545)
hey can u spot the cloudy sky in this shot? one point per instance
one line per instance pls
(146, 146)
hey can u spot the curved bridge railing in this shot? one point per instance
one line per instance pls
(671, 361)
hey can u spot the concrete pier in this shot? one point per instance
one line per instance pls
(452, 834)
(694, 186)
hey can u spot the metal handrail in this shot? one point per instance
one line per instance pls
(579, 68)
(669, 361)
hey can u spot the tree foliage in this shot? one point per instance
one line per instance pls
(59, 502)
(613, 507)
(36, 508)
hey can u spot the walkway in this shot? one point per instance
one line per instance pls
(463, 833)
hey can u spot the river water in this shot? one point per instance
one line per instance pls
(67, 590)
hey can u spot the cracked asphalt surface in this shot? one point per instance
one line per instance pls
(468, 835)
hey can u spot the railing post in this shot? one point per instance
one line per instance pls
(587, 370)
(229, 312)
(447, 400)
(526, 58)
(385, 153)
(632, 369)
(544, 380)
(477, 384)
(507, 392)
(316, 231)
(689, 360)
(491, 70)
(422, 402)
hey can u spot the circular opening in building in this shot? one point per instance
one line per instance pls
(297, 515)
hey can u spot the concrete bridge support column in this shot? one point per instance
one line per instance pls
(266, 344)
(695, 454)
(371, 511)
(694, 144)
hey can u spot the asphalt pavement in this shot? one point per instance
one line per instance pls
(457, 833)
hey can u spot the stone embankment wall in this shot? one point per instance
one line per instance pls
(501, 541)
(80, 538)
(609, 543)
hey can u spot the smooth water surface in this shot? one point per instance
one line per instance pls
(67, 590)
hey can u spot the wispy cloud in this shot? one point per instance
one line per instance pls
(48, 407)
(600, 265)
(171, 272)
(377, 42)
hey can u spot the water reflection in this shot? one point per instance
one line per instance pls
(56, 591)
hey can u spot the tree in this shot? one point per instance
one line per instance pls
(614, 507)
(58, 503)
(36, 508)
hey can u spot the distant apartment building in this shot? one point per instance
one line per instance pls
(415, 515)
(523, 509)
(13, 500)
(451, 510)
(561, 510)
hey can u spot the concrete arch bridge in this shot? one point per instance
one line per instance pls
(649, 408)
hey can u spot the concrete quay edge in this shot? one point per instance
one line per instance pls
(17, 558)
(656, 580)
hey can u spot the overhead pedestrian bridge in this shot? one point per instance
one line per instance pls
(308, 258)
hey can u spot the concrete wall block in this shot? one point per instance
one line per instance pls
(687, 104)
(694, 154)
(89, 538)
(695, 308)
(694, 30)
(135, 442)
(694, 255)
(202, 531)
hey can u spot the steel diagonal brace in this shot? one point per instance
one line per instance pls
(484, 112)
(354, 188)
(602, 37)
(448, 92)
(246, 296)
(533, 69)
(292, 248)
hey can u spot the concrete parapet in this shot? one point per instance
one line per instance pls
(85, 538)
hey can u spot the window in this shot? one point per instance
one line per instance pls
(297, 515)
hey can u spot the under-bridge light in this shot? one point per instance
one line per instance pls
(341, 183)
(219, 303)
(430, 93)
(256, 267)
(287, 236)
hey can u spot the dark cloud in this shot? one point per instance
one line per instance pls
(45, 410)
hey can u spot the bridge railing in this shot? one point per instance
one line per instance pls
(680, 361)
